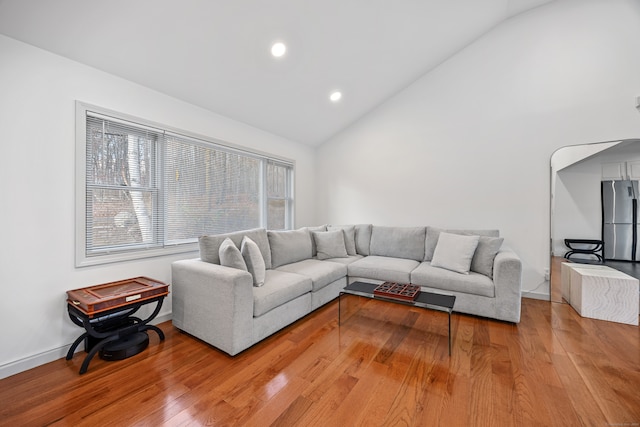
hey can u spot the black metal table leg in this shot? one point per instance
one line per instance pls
(156, 329)
(94, 350)
(111, 326)
(75, 344)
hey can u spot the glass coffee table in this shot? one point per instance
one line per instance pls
(426, 300)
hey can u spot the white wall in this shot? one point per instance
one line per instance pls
(37, 95)
(577, 210)
(468, 145)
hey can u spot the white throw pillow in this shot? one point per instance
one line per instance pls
(254, 260)
(230, 255)
(454, 252)
(349, 236)
(330, 244)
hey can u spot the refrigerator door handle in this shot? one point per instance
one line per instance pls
(634, 229)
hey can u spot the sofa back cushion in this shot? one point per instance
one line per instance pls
(398, 242)
(210, 245)
(433, 233)
(289, 246)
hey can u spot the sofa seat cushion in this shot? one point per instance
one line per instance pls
(320, 272)
(279, 288)
(446, 280)
(346, 261)
(383, 268)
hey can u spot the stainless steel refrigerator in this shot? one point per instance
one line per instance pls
(620, 220)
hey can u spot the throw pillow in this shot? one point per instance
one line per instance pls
(210, 245)
(253, 258)
(433, 233)
(330, 244)
(314, 250)
(454, 252)
(349, 236)
(486, 251)
(230, 255)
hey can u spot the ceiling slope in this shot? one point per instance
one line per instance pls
(215, 54)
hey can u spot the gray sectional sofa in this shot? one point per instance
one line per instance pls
(247, 285)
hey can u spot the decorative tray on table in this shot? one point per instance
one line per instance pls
(397, 291)
(95, 299)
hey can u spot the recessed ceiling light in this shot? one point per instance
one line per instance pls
(335, 96)
(278, 49)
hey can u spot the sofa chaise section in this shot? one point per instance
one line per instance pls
(221, 305)
(492, 287)
(213, 303)
(497, 298)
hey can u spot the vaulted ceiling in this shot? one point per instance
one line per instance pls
(216, 54)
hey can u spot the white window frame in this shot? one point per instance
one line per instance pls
(162, 249)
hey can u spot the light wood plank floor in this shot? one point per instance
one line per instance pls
(385, 365)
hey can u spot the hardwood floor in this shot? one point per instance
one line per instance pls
(555, 283)
(385, 365)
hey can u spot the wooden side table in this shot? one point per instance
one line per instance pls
(106, 312)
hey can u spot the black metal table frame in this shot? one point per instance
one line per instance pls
(415, 303)
(596, 246)
(101, 326)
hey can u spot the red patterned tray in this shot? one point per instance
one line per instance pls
(397, 291)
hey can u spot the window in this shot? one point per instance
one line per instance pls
(145, 190)
(279, 200)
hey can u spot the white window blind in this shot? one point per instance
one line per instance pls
(121, 191)
(209, 190)
(149, 190)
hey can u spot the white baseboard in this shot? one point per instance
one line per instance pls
(30, 362)
(537, 295)
(540, 292)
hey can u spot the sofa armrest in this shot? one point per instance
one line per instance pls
(507, 278)
(213, 303)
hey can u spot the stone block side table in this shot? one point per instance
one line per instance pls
(601, 292)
